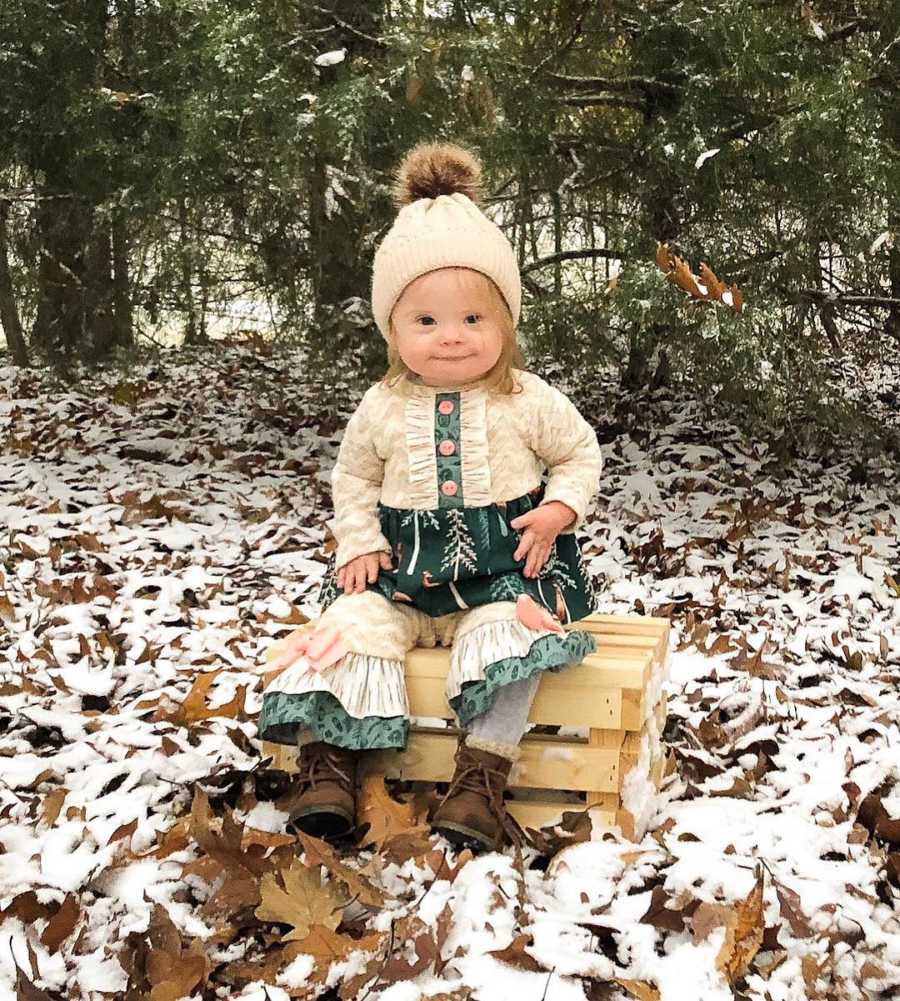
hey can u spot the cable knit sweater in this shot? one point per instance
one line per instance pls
(388, 454)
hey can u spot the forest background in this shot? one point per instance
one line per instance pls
(173, 162)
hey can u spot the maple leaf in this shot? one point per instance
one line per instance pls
(296, 896)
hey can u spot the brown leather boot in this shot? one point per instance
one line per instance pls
(323, 800)
(473, 813)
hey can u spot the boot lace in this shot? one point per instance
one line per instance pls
(320, 763)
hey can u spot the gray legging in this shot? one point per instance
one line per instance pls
(506, 720)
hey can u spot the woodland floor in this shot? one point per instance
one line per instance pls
(160, 530)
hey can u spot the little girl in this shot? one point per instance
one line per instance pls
(445, 532)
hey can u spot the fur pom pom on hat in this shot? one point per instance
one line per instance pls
(437, 190)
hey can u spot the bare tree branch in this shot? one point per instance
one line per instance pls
(572, 255)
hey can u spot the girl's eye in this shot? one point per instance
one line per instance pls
(471, 316)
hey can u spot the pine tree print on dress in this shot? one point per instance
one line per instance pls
(459, 549)
(507, 587)
(483, 529)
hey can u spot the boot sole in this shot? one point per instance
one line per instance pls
(322, 823)
(462, 836)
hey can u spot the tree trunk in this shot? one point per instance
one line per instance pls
(192, 334)
(64, 225)
(557, 243)
(340, 262)
(9, 314)
(123, 306)
(99, 296)
(892, 325)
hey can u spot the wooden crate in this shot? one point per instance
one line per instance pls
(614, 697)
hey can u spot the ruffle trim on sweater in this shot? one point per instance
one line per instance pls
(474, 454)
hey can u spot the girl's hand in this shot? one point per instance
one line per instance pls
(542, 524)
(353, 576)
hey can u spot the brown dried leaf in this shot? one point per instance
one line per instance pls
(224, 847)
(125, 831)
(410, 928)
(296, 896)
(659, 915)
(409, 844)
(792, 911)
(876, 819)
(639, 989)
(52, 804)
(319, 852)
(743, 924)
(25, 989)
(194, 709)
(436, 860)
(328, 947)
(384, 815)
(62, 924)
(515, 955)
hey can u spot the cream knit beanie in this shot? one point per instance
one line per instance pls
(439, 225)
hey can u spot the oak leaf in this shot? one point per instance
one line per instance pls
(639, 989)
(743, 924)
(384, 815)
(319, 852)
(515, 955)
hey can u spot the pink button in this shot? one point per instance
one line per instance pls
(448, 488)
(445, 407)
(446, 448)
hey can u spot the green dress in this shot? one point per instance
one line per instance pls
(445, 560)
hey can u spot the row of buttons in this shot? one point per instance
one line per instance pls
(449, 488)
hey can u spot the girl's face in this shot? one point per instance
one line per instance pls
(445, 329)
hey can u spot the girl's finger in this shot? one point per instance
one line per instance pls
(372, 569)
(536, 560)
(525, 544)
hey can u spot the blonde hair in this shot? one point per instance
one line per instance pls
(499, 379)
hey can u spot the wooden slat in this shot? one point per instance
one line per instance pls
(284, 756)
(557, 702)
(429, 757)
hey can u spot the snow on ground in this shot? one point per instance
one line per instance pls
(167, 526)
